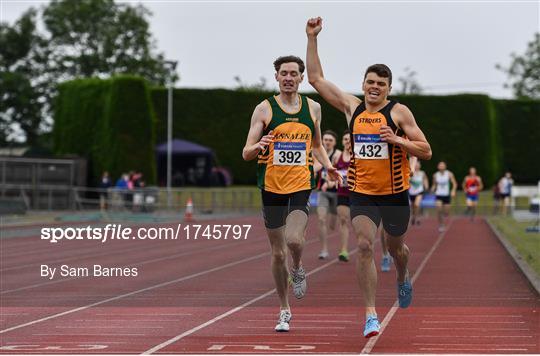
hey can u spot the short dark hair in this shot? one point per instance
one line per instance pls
(382, 70)
(331, 133)
(288, 59)
(346, 132)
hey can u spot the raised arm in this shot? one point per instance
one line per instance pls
(346, 103)
(415, 144)
(255, 143)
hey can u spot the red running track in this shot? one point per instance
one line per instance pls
(217, 297)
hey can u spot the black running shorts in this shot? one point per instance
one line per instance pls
(392, 209)
(276, 207)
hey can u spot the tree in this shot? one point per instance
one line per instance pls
(100, 38)
(409, 83)
(82, 38)
(524, 71)
(20, 103)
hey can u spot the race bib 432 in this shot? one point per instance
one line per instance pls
(370, 146)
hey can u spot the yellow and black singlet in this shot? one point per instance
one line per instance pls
(377, 167)
(286, 165)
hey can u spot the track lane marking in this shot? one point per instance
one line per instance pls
(230, 312)
(372, 341)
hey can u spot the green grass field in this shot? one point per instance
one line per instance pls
(527, 243)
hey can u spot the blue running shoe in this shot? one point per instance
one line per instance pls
(405, 293)
(372, 327)
(385, 263)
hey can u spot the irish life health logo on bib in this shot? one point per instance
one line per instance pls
(290, 153)
(370, 146)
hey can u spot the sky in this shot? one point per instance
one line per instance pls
(453, 46)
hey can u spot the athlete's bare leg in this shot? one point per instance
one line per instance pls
(322, 214)
(400, 252)
(446, 208)
(416, 208)
(439, 206)
(365, 231)
(384, 245)
(295, 230)
(332, 221)
(279, 264)
(505, 205)
(344, 213)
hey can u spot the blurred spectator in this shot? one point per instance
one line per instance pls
(505, 188)
(104, 184)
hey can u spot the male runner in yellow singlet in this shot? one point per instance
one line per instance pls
(284, 135)
(383, 132)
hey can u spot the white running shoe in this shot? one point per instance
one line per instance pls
(285, 317)
(299, 284)
(323, 255)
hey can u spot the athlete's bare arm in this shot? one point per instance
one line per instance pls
(454, 183)
(255, 143)
(415, 143)
(480, 183)
(317, 166)
(318, 150)
(426, 182)
(412, 163)
(434, 183)
(346, 103)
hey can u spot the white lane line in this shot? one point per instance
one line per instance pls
(149, 314)
(470, 349)
(130, 265)
(469, 322)
(477, 336)
(267, 342)
(85, 334)
(226, 314)
(484, 329)
(75, 342)
(284, 335)
(109, 327)
(464, 316)
(296, 327)
(127, 320)
(296, 320)
(371, 342)
(181, 279)
(460, 344)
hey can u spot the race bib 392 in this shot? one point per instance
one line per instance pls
(289, 153)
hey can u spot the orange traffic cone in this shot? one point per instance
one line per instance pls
(188, 215)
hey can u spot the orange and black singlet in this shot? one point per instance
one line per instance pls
(377, 167)
(286, 165)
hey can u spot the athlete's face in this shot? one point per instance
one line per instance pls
(329, 142)
(289, 77)
(376, 88)
(441, 166)
(346, 141)
(472, 171)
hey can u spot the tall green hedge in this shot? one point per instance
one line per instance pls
(111, 122)
(519, 122)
